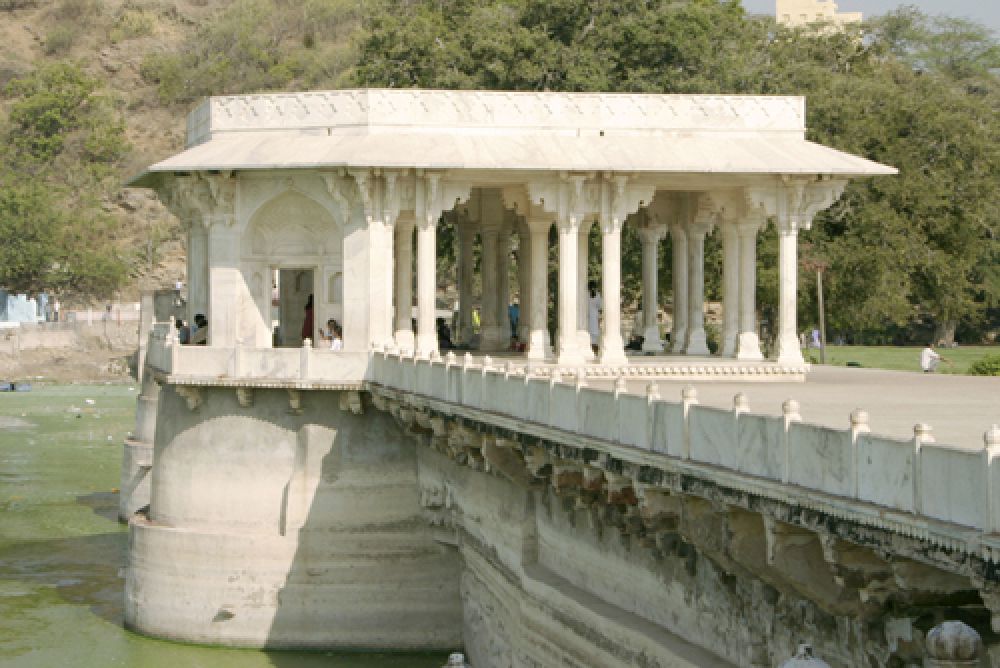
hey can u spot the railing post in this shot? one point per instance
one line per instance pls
(991, 452)
(652, 396)
(235, 360)
(554, 379)
(304, 354)
(921, 435)
(621, 387)
(173, 345)
(689, 398)
(859, 427)
(790, 413)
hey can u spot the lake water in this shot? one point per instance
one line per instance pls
(62, 549)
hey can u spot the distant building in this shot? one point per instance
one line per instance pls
(796, 13)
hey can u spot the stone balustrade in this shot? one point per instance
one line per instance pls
(944, 495)
(304, 367)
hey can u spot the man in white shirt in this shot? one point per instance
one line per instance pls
(929, 359)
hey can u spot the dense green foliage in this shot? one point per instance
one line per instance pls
(62, 143)
(987, 366)
(903, 254)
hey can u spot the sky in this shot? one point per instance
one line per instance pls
(986, 12)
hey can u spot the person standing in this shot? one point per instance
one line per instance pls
(514, 316)
(307, 321)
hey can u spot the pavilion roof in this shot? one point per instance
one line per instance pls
(479, 130)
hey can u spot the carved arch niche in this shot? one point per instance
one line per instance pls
(292, 231)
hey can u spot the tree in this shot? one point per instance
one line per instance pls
(46, 249)
(906, 90)
(63, 141)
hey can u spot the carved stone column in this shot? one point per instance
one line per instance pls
(748, 344)
(678, 335)
(650, 236)
(569, 353)
(583, 312)
(696, 341)
(612, 346)
(466, 237)
(503, 283)
(789, 351)
(428, 214)
(426, 284)
(492, 332)
(731, 287)
(197, 268)
(225, 281)
(793, 201)
(538, 339)
(524, 273)
(404, 284)
(379, 198)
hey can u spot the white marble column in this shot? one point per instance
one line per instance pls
(427, 342)
(197, 269)
(612, 347)
(524, 268)
(503, 283)
(488, 308)
(730, 287)
(650, 237)
(404, 285)
(225, 280)
(678, 335)
(583, 298)
(789, 351)
(466, 260)
(748, 344)
(696, 341)
(569, 353)
(538, 338)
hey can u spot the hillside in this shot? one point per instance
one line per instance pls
(128, 45)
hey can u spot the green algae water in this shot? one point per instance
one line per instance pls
(62, 549)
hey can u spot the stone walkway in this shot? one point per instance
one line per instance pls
(959, 408)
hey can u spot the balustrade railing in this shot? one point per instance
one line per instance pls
(915, 476)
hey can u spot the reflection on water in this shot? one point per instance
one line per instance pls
(62, 549)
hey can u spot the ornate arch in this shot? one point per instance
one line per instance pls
(292, 225)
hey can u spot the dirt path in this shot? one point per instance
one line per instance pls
(67, 365)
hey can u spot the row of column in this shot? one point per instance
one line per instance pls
(739, 335)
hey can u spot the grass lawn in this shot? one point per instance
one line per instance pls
(901, 358)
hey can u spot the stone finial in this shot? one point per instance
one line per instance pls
(621, 386)
(467, 360)
(456, 660)
(450, 358)
(653, 391)
(923, 433)
(581, 379)
(790, 407)
(435, 356)
(689, 393)
(487, 362)
(992, 437)
(741, 403)
(307, 342)
(953, 644)
(859, 420)
(804, 658)
(555, 377)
